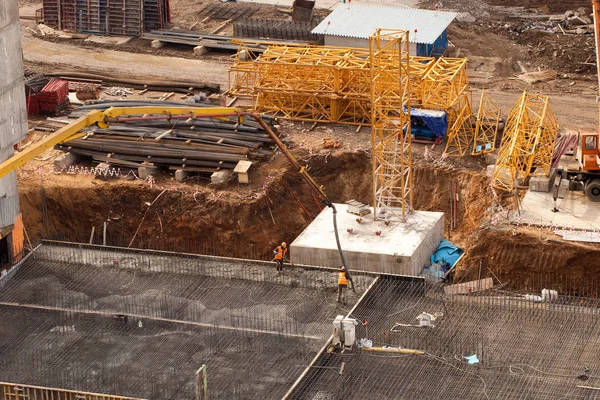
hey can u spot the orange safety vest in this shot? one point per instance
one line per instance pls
(280, 252)
(342, 278)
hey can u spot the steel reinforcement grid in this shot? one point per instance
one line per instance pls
(140, 323)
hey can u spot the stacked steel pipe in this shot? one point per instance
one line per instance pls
(201, 145)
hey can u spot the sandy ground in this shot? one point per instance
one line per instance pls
(113, 62)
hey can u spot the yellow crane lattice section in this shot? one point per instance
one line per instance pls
(486, 129)
(316, 83)
(444, 83)
(527, 146)
(460, 125)
(391, 139)
(243, 73)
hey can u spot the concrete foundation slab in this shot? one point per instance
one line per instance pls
(399, 248)
(576, 211)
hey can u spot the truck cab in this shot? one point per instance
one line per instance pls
(588, 151)
(581, 167)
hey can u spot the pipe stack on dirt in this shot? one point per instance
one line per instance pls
(199, 145)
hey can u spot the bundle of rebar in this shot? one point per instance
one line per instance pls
(200, 145)
(278, 29)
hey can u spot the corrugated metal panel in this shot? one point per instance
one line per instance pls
(360, 21)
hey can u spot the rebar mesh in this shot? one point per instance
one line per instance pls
(526, 350)
(140, 324)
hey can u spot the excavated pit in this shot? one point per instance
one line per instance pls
(248, 222)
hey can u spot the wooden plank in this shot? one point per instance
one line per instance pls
(469, 287)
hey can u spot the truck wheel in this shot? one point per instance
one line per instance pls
(592, 190)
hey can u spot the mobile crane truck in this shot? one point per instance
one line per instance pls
(582, 170)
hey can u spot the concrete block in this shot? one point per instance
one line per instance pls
(562, 188)
(65, 160)
(401, 248)
(157, 44)
(244, 56)
(221, 177)
(146, 171)
(180, 175)
(542, 183)
(200, 50)
(489, 171)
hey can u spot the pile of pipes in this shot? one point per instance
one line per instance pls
(197, 145)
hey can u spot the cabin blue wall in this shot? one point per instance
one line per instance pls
(436, 49)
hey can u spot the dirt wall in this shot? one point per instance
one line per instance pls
(229, 221)
(532, 259)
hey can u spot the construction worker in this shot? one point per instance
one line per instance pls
(342, 283)
(280, 252)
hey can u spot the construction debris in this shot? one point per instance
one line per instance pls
(46, 30)
(118, 91)
(537, 76)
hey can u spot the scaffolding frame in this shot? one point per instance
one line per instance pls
(486, 129)
(243, 73)
(527, 146)
(391, 138)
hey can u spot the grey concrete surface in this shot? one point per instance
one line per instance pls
(13, 114)
(401, 248)
(576, 211)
